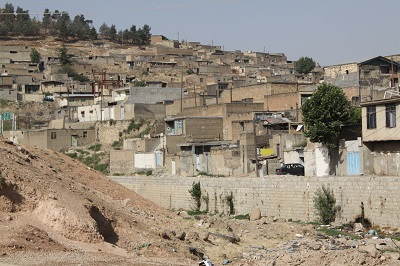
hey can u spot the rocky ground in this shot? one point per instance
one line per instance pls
(56, 211)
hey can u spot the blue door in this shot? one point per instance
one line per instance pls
(353, 163)
(158, 159)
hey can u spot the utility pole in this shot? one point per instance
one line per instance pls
(194, 89)
(181, 92)
(255, 144)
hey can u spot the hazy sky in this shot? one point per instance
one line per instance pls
(331, 32)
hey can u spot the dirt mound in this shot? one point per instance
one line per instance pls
(56, 211)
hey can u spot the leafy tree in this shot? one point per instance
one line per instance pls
(54, 19)
(139, 83)
(125, 36)
(104, 30)
(66, 66)
(144, 35)
(324, 113)
(24, 25)
(7, 19)
(304, 65)
(92, 33)
(133, 34)
(325, 205)
(79, 28)
(63, 26)
(195, 193)
(46, 21)
(355, 116)
(113, 33)
(35, 56)
(63, 56)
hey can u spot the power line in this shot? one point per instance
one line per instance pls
(131, 10)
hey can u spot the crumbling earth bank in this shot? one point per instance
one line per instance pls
(56, 211)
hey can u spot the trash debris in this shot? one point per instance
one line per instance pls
(205, 263)
(225, 262)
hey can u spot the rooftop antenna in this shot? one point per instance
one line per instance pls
(178, 35)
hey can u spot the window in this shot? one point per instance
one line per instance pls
(85, 134)
(53, 135)
(371, 117)
(83, 113)
(391, 115)
(385, 69)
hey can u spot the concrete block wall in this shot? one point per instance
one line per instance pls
(288, 197)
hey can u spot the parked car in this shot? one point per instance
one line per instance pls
(290, 169)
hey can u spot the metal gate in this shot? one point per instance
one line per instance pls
(74, 140)
(353, 163)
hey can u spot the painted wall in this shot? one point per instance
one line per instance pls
(145, 160)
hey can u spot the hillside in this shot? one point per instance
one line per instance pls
(56, 211)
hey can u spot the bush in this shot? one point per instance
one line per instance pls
(229, 201)
(117, 144)
(324, 204)
(95, 147)
(242, 217)
(195, 193)
(149, 172)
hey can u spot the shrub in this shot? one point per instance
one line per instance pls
(229, 201)
(242, 217)
(95, 147)
(149, 172)
(195, 193)
(117, 144)
(324, 204)
(134, 125)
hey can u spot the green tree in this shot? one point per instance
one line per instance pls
(7, 19)
(79, 28)
(46, 21)
(104, 30)
(304, 65)
(355, 116)
(325, 205)
(133, 34)
(144, 35)
(195, 193)
(113, 33)
(55, 16)
(35, 56)
(324, 113)
(92, 33)
(63, 26)
(63, 56)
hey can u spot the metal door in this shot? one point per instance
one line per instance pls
(353, 163)
(74, 140)
(158, 159)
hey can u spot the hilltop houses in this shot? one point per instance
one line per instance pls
(214, 112)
